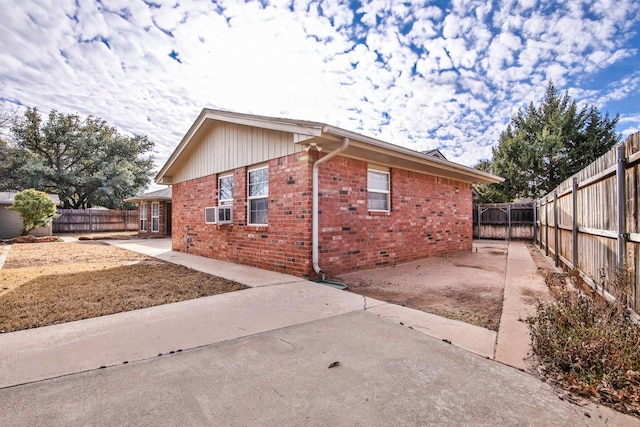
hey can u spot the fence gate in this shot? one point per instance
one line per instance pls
(503, 221)
(496, 221)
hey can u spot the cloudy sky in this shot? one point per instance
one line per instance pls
(424, 75)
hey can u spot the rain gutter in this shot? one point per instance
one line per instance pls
(315, 212)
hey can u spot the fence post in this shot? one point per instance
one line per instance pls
(479, 221)
(546, 226)
(509, 222)
(622, 226)
(574, 227)
(556, 229)
(535, 222)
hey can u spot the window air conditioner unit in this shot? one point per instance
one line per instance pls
(219, 215)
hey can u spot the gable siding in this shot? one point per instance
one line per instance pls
(229, 146)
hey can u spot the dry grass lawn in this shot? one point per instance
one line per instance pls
(49, 283)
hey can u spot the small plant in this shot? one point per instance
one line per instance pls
(36, 209)
(590, 346)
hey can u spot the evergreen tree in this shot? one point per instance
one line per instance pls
(544, 145)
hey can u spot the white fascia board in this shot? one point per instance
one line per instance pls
(408, 154)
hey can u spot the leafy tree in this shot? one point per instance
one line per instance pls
(544, 145)
(6, 117)
(488, 193)
(86, 162)
(36, 209)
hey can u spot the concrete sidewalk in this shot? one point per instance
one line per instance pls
(511, 345)
(275, 301)
(353, 369)
(473, 338)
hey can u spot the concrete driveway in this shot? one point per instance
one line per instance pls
(287, 353)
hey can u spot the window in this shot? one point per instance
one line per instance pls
(378, 190)
(155, 217)
(143, 216)
(258, 192)
(225, 190)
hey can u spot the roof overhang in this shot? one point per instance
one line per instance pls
(386, 154)
(8, 197)
(143, 198)
(162, 195)
(329, 138)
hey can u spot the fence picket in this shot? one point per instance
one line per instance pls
(602, 213)
(95, 220)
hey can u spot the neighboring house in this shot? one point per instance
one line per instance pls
(10, 221)
(310, 199)
(154, 209)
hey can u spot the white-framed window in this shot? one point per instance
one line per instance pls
(378, 189)
(143, 216)
(258, 195)
(225, 190)
(155, 217)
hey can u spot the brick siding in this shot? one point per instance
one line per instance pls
(283, 245)
(429, 216)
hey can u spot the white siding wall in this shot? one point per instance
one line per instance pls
(228, 146)
(11, 225)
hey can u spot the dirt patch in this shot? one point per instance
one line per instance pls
(49, 283)
(467, 286)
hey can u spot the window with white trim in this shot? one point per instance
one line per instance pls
(143, 216)
(225, 190)
(258, 195)
(155, 217)
(378, 189)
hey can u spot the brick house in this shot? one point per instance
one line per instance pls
(154, 209)
(244, 187)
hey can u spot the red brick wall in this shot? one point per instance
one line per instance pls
(429, 216)
(284, 245)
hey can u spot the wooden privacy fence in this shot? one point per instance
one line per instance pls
(591, 222)
(95, 220)
(503, 221)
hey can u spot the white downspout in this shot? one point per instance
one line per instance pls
(314, 205)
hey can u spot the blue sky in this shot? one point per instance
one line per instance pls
(423, 75)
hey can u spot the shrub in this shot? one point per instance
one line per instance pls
(590, 347)
(36, 209)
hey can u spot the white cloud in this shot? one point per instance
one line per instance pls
(480, 62)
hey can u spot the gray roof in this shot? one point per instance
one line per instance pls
(162, 194)
(7, 197)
